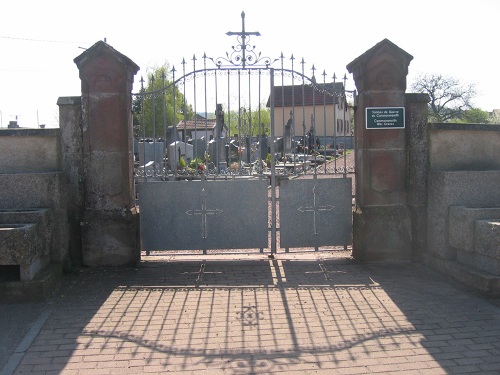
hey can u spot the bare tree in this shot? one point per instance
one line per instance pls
(449, 98)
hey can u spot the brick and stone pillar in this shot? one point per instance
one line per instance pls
(110, 223)
(382, 223)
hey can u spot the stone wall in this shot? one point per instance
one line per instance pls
(463, 200)
(30, 150)
(464, 147)
(33, 214)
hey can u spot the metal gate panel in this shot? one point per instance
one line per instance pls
(203, 215)
(315, 212)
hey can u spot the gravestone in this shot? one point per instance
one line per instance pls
(248, 150)
(264, 147)
(199, 148)
(151, 151)
(217, 150)
(233, 148)
(177, 150)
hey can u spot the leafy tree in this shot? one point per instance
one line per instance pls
(449, 98)
(161, 94)
(249, 123)
(474, 116)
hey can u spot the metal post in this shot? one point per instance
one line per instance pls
(273, 171)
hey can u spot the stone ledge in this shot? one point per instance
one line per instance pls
(482, 282)
(36, 290)
(479, 261)
(462, 227)
(487, 238)
(20, 245)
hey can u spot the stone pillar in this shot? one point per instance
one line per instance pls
(382, 222)
(70, 123)
(110, 222)
(417, 143)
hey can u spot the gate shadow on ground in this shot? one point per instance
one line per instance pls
(266, 316)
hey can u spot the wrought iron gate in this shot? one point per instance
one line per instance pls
(213, 177)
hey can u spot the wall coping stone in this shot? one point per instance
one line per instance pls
(461, 127)
(69, 100)
(30, 132)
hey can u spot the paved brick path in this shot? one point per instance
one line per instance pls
(310, 316)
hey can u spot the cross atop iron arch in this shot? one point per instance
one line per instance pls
(243, 46)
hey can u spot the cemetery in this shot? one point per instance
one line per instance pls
(154, 158)
(69, 199)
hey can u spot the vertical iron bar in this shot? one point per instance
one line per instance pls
(206, 106)
(354, 102)
(324, 119)
(303, 116)
(283, 106)
(313, 122)
(345, 138)
(143, 131)
(228, 108)
(260, 130)
(153, 110)
(164, 109)
(219, 134)
(174, 94)
(335, 101)
(184, 107)
(143, 120)
(243, 40)
(249, 152)
(273, 170)
(195, 148)
(292, 135)
(239, 120)
(345, 110)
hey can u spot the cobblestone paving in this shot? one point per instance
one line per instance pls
(317, 315)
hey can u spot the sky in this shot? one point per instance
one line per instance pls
(40, 39)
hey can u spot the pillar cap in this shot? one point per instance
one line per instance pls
(103, 48)
(382, 67)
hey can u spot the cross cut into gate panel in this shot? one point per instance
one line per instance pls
(329, 201)
(315, 208)
(204, 212)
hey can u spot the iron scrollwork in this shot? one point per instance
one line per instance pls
(243, 54)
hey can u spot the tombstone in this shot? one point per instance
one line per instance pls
(220, 126)
(264, 147)
(279, 145)
(151, 151)
(170, 135)
(217, 150)
(178, 149)
(136, 149)
(310, 141)
(288, 136)
(199, 148)
(248, 150)
(232, 152)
